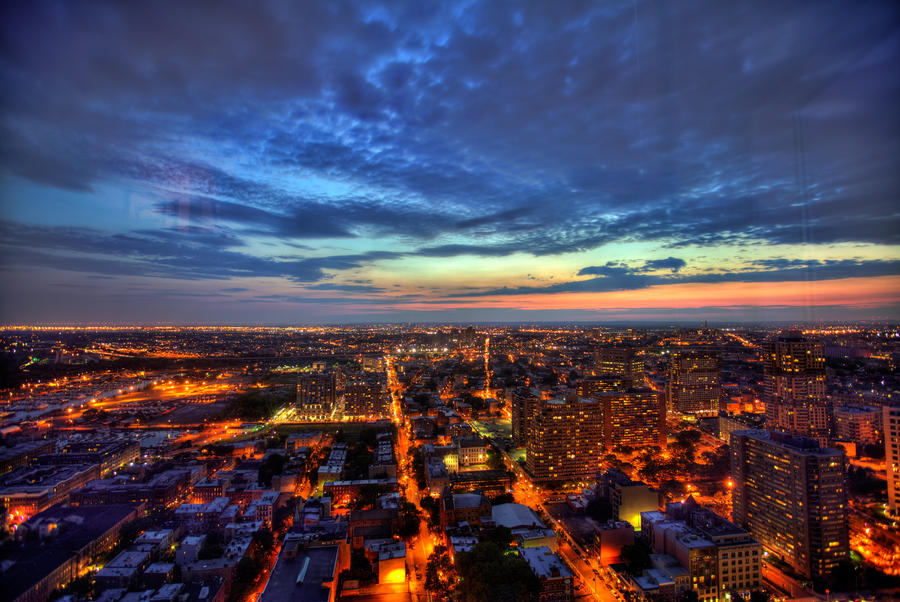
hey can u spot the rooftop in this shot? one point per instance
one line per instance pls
(303, 577)
(794, 443)
(545, 563)
(515, 515)
(467, 500)
(78, 527)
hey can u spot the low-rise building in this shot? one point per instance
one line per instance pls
(611, 537)
(666, 580)
(29, 490)
(557, 579)
(71, 539)
(861, 425)
(342, 492)
(108, 454)
(304, 572)
(124, 569)
(472, 451)
(490, 482)
(203, 518)
(630, 498)
(456, 508)
(719, 556)
(263, 509)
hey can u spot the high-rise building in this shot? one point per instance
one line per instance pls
(524, 401)
(892, 456)
(636, 417)
(789, 492)
(623, 362)
(316, 395)
(794, 386)
(694, 383)
(565, 439)
(366, 398)
(593, 386)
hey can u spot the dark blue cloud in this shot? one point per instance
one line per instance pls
(617, 121)
(669, 263)
(616, 277)
(618, 269)
(610, 269)
(452, 129)
(347, 288)
(187, 255)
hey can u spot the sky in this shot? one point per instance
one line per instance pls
(324, 162)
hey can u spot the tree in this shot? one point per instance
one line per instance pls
(494, 459)
(368, 495)
(439, 572)
(220, 450)
(81, 588)
(247, 571)
(132, 529)
(273, 465)
(368, 437)
(673, 488)
(873, 450)
(264, 540)
(409, 520)
(685, 450)
(418, 467)
(490, 573)
(718, 463)
(500, 535)
(503, 498)
(862, 481)
(433, 510)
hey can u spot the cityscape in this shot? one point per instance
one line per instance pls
(391, 462)
(457, 301)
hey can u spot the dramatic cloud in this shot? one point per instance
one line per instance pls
(621, 278)
(415, 144)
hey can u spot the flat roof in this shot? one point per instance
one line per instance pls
(467, 500)
(544, 562)
(515, 515)
(283, 583)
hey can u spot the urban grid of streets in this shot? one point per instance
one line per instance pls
(187, 392)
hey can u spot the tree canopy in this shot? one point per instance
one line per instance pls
(489, 573)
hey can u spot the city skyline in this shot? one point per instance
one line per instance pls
(450, 463)
(464, 163)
